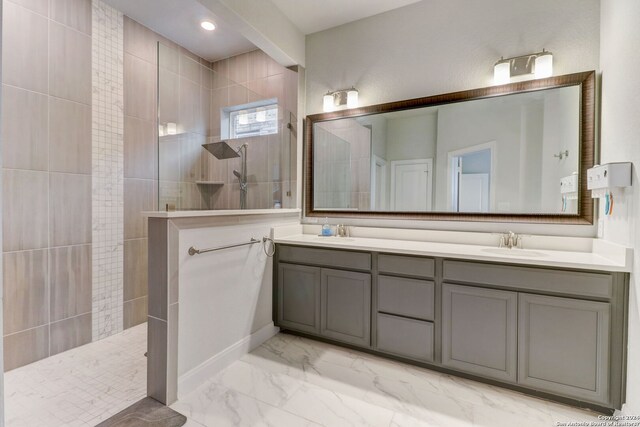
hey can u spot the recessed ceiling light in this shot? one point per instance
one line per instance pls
(208, 25)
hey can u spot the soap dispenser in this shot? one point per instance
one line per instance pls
(326, 228)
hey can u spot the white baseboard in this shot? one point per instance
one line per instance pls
(201, 373)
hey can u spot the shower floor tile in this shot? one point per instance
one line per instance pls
(80, 387)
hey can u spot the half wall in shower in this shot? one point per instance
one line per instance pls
(226, 132)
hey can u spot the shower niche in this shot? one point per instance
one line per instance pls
(226, 132)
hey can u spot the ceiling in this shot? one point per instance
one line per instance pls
(179, 21)
(311, 16)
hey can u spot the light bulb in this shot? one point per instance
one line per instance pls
(261, 115)
(208, 25)
(544, 65)
(502, 72)
(327, 102)
(352, 98)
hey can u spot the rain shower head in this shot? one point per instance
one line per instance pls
(221, 150)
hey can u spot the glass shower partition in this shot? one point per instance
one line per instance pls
(201, 113)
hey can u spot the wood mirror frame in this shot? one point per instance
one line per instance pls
(585, 214)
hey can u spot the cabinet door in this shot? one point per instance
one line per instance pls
(563, 346)
(346, 306)
(299, 297)
(479, 331)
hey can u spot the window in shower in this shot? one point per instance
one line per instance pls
(202, 112)
(252, 119)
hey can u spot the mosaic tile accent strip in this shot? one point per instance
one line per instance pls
(108, 169)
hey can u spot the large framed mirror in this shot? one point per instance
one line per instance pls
(511, 153)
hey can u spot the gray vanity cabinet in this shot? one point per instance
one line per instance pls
(564, 346)
(346, 306)
(299, 297)
(554, 332)
(479, 333)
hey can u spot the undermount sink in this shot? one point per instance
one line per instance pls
(333, 239)
(514, 252)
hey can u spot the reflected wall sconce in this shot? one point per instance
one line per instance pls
(539, 65)
(348, 97)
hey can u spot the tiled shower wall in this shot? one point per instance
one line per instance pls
(192, 95)
(140, 162)
(47, 170)
(344, 176)
(185, 83)
(271, 160)
(46, 130)
(141, 145)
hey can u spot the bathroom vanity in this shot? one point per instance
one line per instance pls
(546, 322)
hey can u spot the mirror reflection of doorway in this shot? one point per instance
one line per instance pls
(471, 177)
(411, 185)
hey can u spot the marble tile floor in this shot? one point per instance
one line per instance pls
(293, 381)
(80, 387)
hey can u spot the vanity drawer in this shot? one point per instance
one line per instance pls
(406, 297)
(405, 337)
(325, 257)
(406, 265)
(578, 283)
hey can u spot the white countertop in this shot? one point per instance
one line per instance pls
(604, 256)
(218, 213)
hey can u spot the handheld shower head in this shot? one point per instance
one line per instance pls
(237, 174)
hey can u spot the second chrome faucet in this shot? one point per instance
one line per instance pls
(342, 230)
(511, 240)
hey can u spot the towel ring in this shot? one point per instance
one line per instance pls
(268, 252)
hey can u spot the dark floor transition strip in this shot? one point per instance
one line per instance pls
(146, 413)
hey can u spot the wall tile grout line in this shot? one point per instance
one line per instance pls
(48, 269)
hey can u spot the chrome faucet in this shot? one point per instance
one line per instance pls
(510, 240)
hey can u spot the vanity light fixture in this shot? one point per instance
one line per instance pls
(544, 64)
(327, 102)
(352, 98)
(540, 65)
(208, 25)
(348, 97)
(502, 72)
